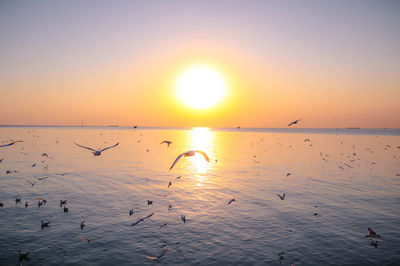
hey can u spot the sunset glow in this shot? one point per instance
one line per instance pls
(201, 87)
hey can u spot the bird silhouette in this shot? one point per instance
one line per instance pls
(97, 152)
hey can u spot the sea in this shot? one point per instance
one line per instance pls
(337, 184)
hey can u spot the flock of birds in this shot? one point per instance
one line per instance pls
(41, 201)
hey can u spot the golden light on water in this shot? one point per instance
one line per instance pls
(201, 138)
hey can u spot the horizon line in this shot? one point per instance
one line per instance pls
(186, 127)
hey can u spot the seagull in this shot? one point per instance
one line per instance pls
(62, 174)
(85, 239)
(294, 122)
(288, 174)
(22, 256)
(41, 201)
(9, 144)
(63, 202)
(41, 178)
(1, 160)
(17, 200)
(232, 200)
(82, 224)
(26, 204)
(169, 184)
(32, 183)
(97, 153)
(65, 209)
(45, 154)
(183, 217)
(306, 140)
(130, 212)
(157, 259)
(281, 197)
(190, 153)
(45, 224)
(142, 219)
(167, 141)
(348, 165)
(149, 202)
(33, 165)
(372, 234)
(10, 172)
(1, 204)
(163, 225)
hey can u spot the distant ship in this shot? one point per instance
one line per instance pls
(353, 128)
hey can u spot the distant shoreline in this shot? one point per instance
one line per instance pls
(290, 130)
(177, 127)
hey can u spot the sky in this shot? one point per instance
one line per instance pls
(330, 63)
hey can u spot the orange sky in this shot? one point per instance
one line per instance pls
(117, 65)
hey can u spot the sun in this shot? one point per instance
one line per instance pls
(201, 87)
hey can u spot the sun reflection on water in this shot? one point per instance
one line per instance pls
(201, 138)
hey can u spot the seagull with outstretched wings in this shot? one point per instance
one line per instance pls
(97, 152)
(188, 154)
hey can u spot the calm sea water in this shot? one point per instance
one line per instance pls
(341, 183)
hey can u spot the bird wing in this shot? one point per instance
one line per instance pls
(12, 143)
(290, 124)
(162, 253)
(9, 144)
(176, 160)
(109, 147)
(204, 155)
(84, 147)
(151, 258)
(138, 221)
(29, 182)
(148, 216)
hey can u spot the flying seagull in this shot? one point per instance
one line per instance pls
(97, 153)
(166, 141)
(32, 183)
(63, 202)
(371, 233)
(142, 219)
(190, 153)
(294, 122)
(22, 256)
(232, 200)
(9, 144)
(45, 224)
(281, 197)
(157, 259)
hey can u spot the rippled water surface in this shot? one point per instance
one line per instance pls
(339, 185)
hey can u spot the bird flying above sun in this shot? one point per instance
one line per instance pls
(201, 87)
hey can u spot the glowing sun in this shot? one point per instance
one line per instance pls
(201, 87)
